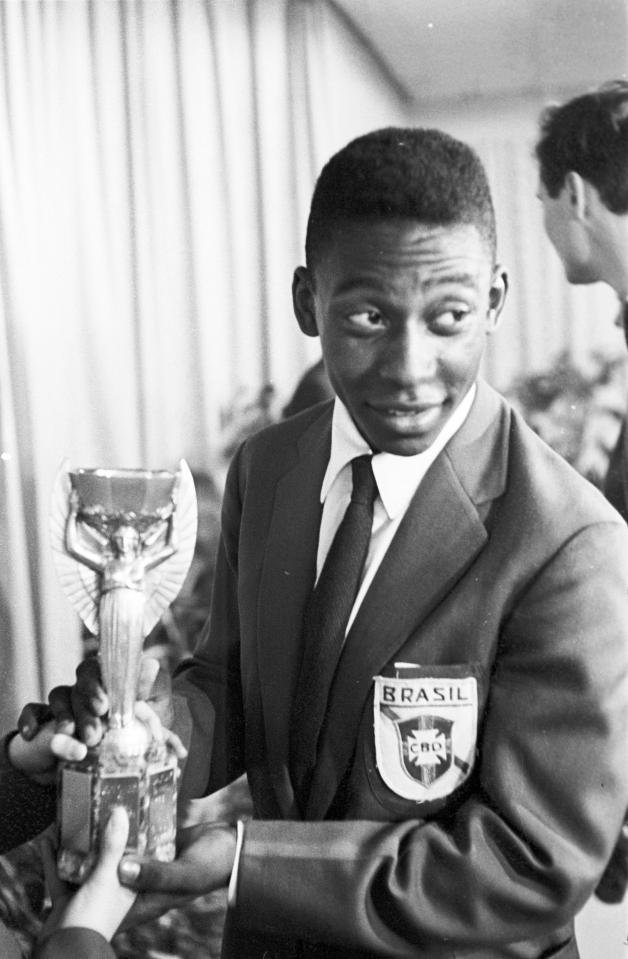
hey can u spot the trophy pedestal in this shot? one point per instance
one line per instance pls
(145, 785)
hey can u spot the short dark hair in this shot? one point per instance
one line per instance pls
(588, 135)
(408, 173)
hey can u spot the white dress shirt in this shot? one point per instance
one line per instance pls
(397, 477)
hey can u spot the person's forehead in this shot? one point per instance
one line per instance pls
(393, 243)
(401, 228)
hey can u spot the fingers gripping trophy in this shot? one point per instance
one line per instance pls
(123, 541)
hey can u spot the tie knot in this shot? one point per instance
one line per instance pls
(364, 486)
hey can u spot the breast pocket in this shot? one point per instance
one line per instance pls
(425, 733)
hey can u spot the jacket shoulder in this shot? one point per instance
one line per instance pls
(289, 432)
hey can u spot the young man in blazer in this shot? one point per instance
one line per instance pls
(466, 783)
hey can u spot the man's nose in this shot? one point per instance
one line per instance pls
(411, 356)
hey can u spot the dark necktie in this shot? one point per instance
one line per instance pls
(325, 622)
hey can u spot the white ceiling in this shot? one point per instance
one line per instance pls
(443, 49)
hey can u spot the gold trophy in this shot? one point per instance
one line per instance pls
(123, 540)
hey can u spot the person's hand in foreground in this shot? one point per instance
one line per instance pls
(206, 846)
(205, 857)
(37, 746)
(101, 903)
(78, 716)
(77, 710)
(81, 709)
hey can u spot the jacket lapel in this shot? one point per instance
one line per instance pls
(439, 537)
(287, 577)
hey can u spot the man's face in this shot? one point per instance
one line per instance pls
(567, 235)
(402, 310)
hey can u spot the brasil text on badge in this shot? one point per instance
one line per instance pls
(425, 734)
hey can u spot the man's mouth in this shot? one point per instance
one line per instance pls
(409, 415)
(403, 410)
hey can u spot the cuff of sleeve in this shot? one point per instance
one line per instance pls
(233, 882)
(5, 761)
(75, 941)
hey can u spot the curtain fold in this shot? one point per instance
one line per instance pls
(156, 163)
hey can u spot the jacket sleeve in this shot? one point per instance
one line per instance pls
(207, 688)
(76, 943)
(27, 807)
(523, 853)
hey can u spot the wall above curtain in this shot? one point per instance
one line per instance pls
(445, 50)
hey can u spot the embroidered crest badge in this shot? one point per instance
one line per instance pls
(425, 734)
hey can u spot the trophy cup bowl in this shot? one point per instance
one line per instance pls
(123, 541)
(124, 490)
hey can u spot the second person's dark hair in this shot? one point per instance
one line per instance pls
(588, 135)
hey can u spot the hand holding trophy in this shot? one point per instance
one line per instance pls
(123, 541)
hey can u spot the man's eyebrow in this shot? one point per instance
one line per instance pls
(461, 279)
(379, 284)
(367, 283)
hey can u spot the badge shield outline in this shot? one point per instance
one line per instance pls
(424, 772)
(397, 717)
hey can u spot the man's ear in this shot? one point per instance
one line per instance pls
(577, 192)
(303, 301)
(497, 297)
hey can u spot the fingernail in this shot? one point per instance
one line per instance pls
(117, 813)
(128, 870)
(90, 736)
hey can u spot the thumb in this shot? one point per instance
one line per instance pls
(172, 877)
(113, 840)
(56, 887)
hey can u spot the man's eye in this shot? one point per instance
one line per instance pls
(365, 319)
(450, 319)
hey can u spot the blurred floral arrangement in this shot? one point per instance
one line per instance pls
(246, 415)
(576, 410)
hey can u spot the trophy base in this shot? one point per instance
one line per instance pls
(147, 788)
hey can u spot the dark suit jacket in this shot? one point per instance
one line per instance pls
(616, 482)
(507, 567)
(613, 884)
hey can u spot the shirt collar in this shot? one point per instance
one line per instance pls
(397, 477)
